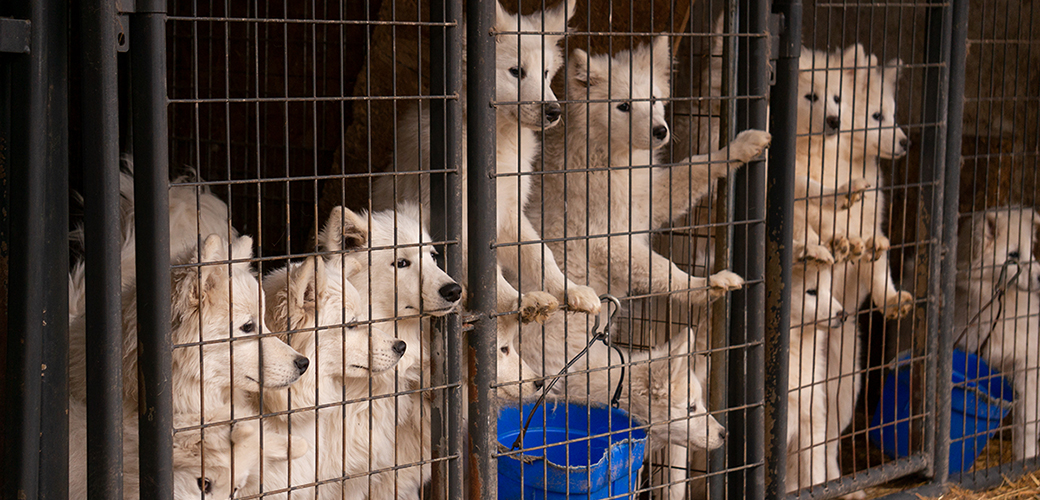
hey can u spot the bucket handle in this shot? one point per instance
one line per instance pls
(602, 336)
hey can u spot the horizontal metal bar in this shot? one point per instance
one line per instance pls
(15, 35)
(860, 480)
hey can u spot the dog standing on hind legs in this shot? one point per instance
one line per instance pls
(622, 127)
(526, 61)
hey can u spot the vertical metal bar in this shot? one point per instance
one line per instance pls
(780, 184)
(748, 305)
(151, 190)
(950, 187)
(446, 207)
(37, 375)
(100, 130)
(937, 50)
(480, 122)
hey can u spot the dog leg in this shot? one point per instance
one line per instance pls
(843, 381)
(533, 306)
(894, 303)
(1025, 412)
(579, 298)
(636, 268)
(691, 179)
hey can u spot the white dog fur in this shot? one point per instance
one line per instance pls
(993, 247)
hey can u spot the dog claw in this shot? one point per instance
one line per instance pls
(583, 299)
(856, 248)
(877, 246)
(537, 306)
(840, 248)
(815, 254)
(853, 192)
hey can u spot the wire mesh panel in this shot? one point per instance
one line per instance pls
(996, 267)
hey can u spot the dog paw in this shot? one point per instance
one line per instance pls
(749, 144)
(877, 246)
(856, 248)
(898, 305)
(537, 306)
(583, 299)
(840, 248)
(852, 192)
(813, 254)
(722, 282)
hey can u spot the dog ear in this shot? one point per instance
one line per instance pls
(214, 249)
(303, 292)
(891, 72)
(556, 19)
(504, 21)
(344, 230)
(663, 62)
(991, 229)
(580, 69)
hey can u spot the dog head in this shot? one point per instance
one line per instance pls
(626, 93)
(990, 240)
(819, 91)
(398, 274)
(313, 295)
(218, 304)
(217, 461)
(526, 63)
(812, 305)
(511, 366)
(872, 108)
(676, 396)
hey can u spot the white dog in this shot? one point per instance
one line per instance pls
(814, 314)
(525, 66)
(997, 311)
(202, 310)
(622, 127)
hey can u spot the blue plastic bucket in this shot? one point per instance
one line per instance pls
(981, 399)
(604, 465)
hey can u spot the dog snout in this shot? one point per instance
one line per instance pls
(905, 143)
(839, 319)
(301, 363)
(833, 124)
(660, 132)
(552, 112)
(400, 347)
(451, 292)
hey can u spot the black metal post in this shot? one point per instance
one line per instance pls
(958, 48)
(152, 219)
(780, 184)
(934, 180)
(481, 167)
(37, 375)
(446, 208)
(749, 247)
(100, 129)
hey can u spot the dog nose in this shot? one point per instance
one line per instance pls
(538, 384)
(905, 143)
(660, 132)
(400, 347)
(723, 434)
(552, 112)
(301, 364)
(833, 124)
(451, 292)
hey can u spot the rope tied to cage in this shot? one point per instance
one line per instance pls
(597, 335)
(999, 290)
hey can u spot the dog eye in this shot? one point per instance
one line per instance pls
(1014, 255)
(248, 327)
(505, 350)
(517, 72)
(811, 291)
(402, 263)
(837, 99)
(812, 97)
(205, 485)
(876, 116)
(624, 107)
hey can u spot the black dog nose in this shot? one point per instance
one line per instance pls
(451, 292)
(301, 364)
(833, 123)
(660, 132)
(538, 384)
(905, 143)
(843, 316)
(552, 112)
(400, 347)
(723, 434)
